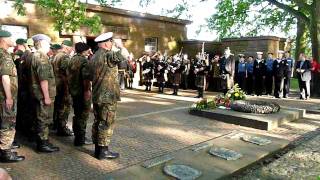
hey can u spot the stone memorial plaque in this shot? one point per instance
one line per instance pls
(157, 161)
(235, 135)
(256, 140)
(200, 146)
(182, 172)
(224, 153)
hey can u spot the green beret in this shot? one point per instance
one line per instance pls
(55, 46)
(21, 41)
(4, 33)
(67, 43)
(30, 42)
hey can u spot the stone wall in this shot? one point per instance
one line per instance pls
(132, 27)
(244, 45)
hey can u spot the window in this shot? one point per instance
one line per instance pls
(16, 31)
(151, 44)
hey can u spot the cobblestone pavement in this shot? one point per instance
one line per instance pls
(149, 125)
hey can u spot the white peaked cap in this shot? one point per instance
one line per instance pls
(103, 37)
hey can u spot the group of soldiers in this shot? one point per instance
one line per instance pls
(254, 75)
(40, 83)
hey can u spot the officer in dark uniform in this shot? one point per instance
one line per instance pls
(147, 71)
(288, 75)
(160, 68)
(241, 71)
(259, 74)
(269, 74)
(279, 70)
(249, 75)
(200, 72)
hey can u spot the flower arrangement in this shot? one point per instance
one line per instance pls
(236, 93)
(221, 100)
(204, 104)
(233, 94)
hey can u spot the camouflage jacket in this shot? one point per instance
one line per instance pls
(76, 72)
(7, 67)
(60, 65)
(41, 70)
(104, 76)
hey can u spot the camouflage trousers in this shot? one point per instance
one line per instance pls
(44, 116)
(7, 126)
(62, 108)
(81, 110)
(104, 123)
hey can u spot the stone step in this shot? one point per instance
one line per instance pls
(209, 166)
(256, 121)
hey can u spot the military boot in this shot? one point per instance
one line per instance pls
(102, 152)
(15, 145)
(81, 141)
(46, 147)
(64, 132)
(7, 156)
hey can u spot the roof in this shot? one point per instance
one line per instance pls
(99, 8)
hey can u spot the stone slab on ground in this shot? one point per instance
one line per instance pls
(257, 121)
(211, 167)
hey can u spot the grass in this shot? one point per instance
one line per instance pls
(294, 84)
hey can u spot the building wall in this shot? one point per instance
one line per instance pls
(246, 45)
(135, 29)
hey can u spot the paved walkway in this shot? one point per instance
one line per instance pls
(149, 125)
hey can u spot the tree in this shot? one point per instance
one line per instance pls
(69, 15)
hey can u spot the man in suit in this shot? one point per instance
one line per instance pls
(303, 69)
(279, 70)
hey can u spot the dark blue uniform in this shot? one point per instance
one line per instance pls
(269, 76)
(249, 79)
(259, 73)
(290, 64)
(279, 72)
(241, 74)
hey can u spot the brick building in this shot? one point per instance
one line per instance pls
(140, 32)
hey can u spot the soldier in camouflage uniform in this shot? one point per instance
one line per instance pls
(105, 93)
(8, 99)
(43, 91)
(80, 91)
(62, 103)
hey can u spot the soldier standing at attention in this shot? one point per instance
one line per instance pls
(8, 98)
(105, 93)
(215, 73)
(43, 91)
(259, 74)
(269, 74)
(80, 91)
(249, 75)
(241, 72)
(279, 70)
(62, 103)
(288, 74)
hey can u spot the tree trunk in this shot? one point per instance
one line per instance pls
(315, 29)
(315, 40)
(301, 39)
